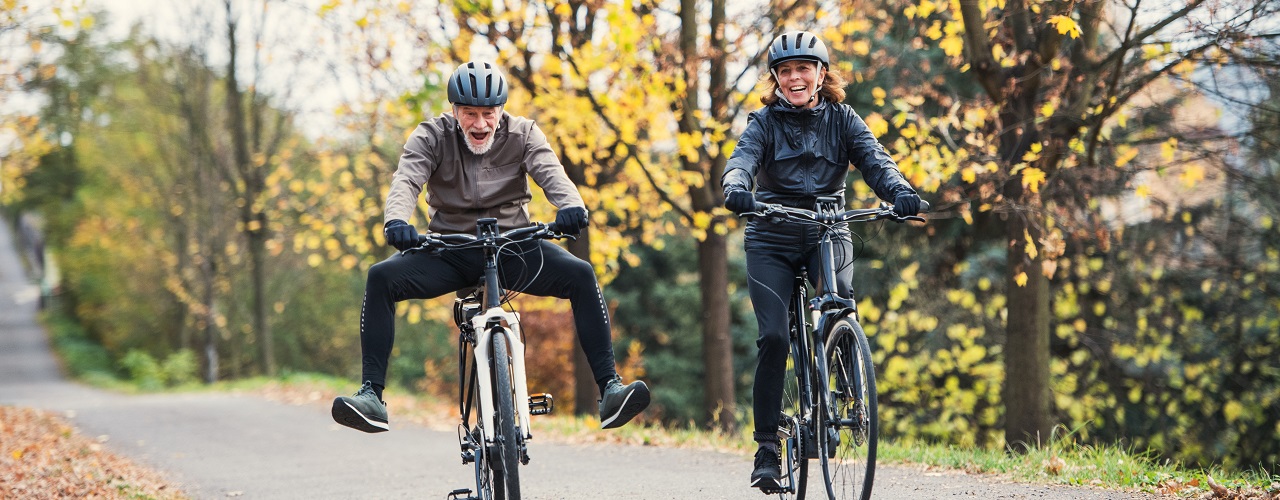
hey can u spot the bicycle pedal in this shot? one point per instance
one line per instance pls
(453, 495)
(541, 404)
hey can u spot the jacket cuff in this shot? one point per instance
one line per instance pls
(735, 180)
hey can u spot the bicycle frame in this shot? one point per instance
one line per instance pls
(826, 309)
(494, 320)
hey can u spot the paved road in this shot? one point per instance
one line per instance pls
(218, 446)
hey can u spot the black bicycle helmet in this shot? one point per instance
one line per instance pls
(798, 45)
(478, 84)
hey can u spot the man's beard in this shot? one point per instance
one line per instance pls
(483, 148)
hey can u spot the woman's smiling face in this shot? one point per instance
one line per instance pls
(798, 79)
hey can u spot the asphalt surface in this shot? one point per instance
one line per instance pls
(215, 446)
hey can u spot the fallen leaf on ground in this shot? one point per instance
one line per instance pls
(46, 455)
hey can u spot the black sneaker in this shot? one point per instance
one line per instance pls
(362, 411)
(768, 468)
(619, 403)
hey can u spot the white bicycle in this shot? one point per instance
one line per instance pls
(491, 368)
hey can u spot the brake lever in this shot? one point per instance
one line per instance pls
(552, 234)
(893, 216)
(426, 243)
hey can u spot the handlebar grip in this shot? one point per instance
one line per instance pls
(924, 206)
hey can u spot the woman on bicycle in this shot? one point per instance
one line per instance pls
(474, 163)
(797, 148)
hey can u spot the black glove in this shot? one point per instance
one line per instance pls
(400, 234)
(569, 220)
(906, 204)
(740, 201)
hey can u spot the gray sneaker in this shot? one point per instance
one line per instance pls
(362, 411)
(620, 403)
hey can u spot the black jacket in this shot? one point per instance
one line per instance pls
(792, 156)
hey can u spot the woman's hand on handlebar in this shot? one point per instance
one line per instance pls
(740, 201)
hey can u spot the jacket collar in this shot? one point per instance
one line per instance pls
(785, 110)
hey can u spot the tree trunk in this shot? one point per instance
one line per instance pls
(584, 382)
(717, 344)
(210, 325)
(257, 255)
(255, 223)
(1026, 351)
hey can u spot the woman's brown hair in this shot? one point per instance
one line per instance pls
(832, 87)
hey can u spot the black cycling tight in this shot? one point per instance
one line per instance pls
(536, 268)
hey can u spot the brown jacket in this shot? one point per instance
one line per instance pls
(463, 186)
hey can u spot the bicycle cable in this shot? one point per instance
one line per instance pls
(511, 294)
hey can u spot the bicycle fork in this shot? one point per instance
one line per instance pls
(492, 323)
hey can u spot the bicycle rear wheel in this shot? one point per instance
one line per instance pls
(794, 435)
(506, 457)
(481, 457)
(852, 383)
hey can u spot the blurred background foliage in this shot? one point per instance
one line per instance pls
(154, 196)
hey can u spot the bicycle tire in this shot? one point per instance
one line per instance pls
(507, 472)
(795, 462)
(852, 383)
(483, 471)
(820, 427)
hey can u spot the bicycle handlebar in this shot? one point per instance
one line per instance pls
(884, 211)
(459, 241)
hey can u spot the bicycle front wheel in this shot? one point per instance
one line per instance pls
(506, 456)
(852, 383)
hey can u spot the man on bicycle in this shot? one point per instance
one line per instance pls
(475, 163)
(794, 150)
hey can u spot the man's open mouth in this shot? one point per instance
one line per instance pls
(479, 137)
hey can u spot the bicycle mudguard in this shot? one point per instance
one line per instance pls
(830, 317)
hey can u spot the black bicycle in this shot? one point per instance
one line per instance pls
(491, 366)
(829, 397)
